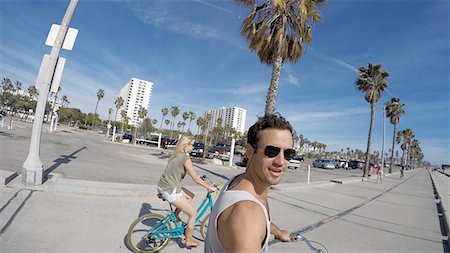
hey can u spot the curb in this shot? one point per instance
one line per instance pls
(7, 176)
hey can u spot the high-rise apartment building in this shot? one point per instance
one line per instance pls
(136, 94)
(232, 116)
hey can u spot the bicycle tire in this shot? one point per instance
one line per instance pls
(142, 243)
(204, 226)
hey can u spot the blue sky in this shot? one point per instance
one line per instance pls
(194, 53)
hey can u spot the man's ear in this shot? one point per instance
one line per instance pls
(249, 150)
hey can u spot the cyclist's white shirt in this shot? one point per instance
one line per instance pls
(225, 200)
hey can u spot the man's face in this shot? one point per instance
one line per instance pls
(270, 170)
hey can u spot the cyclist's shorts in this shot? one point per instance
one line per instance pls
(170, 197)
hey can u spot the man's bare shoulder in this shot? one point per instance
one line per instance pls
(242, 226)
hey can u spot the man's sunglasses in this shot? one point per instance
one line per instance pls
(272, 151)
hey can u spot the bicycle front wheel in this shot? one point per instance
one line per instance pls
(140, 236)
(204, 226)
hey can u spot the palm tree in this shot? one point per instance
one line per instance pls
(373, 81)
(174, 111)
(414, 151)
(393, 111)
(118, 103)
(7, 88)
(164, 112)
(18, 86)
(32, 92)
(277, 30)
(167, 122)
(199, 124)
(404, 138)
(185, 116)
(64, 101)
(205, 128)
(123, 114)
(100, 95)
(142, 113)
(191, 118)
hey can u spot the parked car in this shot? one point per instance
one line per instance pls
(198, 149)
(127, 136)
(294, 163)
(356, 164)
(221, 150)
(324, 164)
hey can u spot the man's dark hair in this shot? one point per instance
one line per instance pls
(268, 121)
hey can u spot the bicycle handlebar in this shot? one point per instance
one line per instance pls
(210, 182)
(299, 237)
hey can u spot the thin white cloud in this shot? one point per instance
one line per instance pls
(333, 60)
(243, 90)
(312, 116)
(217, 7)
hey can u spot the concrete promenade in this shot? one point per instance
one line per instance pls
(76, 211)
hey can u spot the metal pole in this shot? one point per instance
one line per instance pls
(32, 168)
(309, 174)
(382, 145)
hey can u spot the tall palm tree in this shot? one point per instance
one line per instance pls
(142, 113)
(164, 112)
(118, 103)
(174, 111)
(100, 95)
(191, 118)
(393, 111)
(277, 30)
(404, 138)
(185, 116)
(373, 81)
(199, 124)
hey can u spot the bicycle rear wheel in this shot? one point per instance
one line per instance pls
(140, 234)
(204, 226)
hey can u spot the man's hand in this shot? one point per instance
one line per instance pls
(284, 236)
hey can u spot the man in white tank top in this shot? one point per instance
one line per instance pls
(240, 220)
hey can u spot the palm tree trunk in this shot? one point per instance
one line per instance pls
(160, 125)
(271, 98)
(392, 150)
(369, 140)
(95, 114)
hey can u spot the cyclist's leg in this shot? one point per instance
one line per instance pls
(184, 205)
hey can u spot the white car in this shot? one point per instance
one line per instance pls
(294, 163)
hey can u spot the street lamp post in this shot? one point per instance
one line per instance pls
(32, 168)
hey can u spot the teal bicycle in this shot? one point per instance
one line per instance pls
(152, 232)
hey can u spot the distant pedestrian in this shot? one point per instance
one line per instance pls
(379, 173)
(402, 171)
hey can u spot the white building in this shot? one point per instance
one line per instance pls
(136, 94)
(233, 116)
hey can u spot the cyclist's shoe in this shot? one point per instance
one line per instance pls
(189, 241)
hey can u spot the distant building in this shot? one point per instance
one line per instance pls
(232, 116)
(136, 94)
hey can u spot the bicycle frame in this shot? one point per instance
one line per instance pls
(158, 232)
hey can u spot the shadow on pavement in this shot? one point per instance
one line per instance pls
(61, 160)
